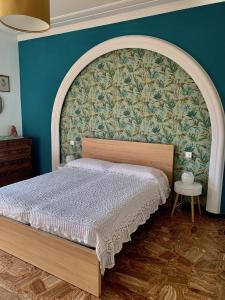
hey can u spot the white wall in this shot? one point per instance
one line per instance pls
(9, 65)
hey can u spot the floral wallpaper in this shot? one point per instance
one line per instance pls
(139, 95)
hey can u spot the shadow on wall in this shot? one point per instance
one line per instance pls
(139, 95)
(36, 155)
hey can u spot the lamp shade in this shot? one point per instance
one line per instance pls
(25, 15)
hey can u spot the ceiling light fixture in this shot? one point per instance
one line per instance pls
(25, 15)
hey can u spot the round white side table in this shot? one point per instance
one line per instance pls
(191, 190)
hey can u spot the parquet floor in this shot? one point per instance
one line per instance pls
(167, 259)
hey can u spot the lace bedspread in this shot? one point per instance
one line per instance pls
(99, 209)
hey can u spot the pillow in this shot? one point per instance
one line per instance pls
(90, 164)
(142, 172)
(145, 173)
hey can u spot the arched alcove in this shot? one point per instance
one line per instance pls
(201, 79)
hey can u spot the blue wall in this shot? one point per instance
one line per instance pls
(45, 61)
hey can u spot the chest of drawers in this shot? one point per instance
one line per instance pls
(15, 160)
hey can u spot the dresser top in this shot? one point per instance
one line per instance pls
(15, 141)
(10, 138)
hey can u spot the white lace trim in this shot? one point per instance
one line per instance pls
(106, 249)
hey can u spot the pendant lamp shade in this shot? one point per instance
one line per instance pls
(25, 15)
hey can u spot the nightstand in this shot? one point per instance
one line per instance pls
(191, 190)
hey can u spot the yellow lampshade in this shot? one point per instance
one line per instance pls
(25, 15)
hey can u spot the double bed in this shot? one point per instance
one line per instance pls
(72, 222)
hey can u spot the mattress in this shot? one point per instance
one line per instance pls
(98, 209)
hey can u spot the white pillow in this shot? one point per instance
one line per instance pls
(90, 164)
(142, 172)
(145, 173)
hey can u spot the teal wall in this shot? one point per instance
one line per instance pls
(44, 62)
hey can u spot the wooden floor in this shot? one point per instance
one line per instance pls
(167, 259)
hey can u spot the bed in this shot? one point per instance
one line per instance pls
(124, 199)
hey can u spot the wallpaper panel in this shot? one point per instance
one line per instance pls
(139, 95)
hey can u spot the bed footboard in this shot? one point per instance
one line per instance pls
(66, 260)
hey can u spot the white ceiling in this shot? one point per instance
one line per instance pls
(89, 13)
(67, 11)
(59, 7)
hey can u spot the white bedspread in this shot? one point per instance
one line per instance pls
(100, 209)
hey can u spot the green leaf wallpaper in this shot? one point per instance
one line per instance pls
(139, 95)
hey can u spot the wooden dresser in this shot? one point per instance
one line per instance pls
(15, 160)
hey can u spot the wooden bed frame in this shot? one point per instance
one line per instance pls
(67, 260)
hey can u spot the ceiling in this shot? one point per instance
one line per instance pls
(91, 13)
(68, 11)
(67, 6)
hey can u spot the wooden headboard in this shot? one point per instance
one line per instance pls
(153, 155)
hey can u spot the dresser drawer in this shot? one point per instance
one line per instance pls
(17, 143)
(15, 177)
(13, 154)
(14, 165)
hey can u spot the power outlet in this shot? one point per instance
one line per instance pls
(72, 143)
(188, 155)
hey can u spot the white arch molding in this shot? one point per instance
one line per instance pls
(192, 67)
